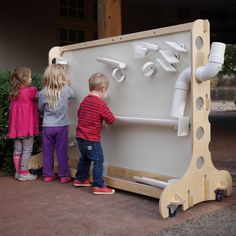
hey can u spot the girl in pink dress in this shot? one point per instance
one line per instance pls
(23, 120)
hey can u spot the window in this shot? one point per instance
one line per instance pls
(77, 21)
(70, 36)
(72, 8)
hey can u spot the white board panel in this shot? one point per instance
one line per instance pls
(141, 147)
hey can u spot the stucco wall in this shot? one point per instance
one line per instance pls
(28, 29)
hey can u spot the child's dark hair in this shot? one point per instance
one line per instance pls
(19, 78)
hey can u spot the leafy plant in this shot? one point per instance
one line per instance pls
(5, 145)
(229, 66)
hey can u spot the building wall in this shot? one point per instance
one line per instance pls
(28, 29)
(140, 15)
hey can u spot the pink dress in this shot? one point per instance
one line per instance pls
(23, 117)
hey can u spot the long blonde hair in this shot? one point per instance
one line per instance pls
(20, 77)
(54, 79)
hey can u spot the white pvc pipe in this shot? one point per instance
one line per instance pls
(59, 61)
(146, 121)
(151, 46)
(215, 62)
(180, 94)
(111, 62)
(152, 182)
(203, 73)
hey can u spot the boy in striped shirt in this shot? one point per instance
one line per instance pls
(91, 113)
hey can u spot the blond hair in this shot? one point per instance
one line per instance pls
(19, 78)
(97, 82)
(54, 79)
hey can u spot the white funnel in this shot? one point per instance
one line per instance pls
(141, 49)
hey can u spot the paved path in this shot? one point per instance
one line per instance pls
(49, 209)
(223, 140)
(217, 223)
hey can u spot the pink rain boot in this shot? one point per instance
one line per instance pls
(17, 162)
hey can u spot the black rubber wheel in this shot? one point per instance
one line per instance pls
(219, 195)
(172, 213)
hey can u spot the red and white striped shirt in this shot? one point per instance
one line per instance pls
(91, 113)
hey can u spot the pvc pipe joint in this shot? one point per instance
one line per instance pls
(215, 62)
(203, 73)
(217, 53)
(118, 75)
(181, 85)
(149, 69)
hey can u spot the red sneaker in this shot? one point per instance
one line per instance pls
(104, 190)
(64, 180)
(49, 178)
(85, 183)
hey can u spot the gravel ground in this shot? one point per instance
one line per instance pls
(220, 223)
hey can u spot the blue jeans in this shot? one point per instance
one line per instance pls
(90, 151)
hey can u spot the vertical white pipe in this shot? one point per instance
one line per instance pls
(180, 94)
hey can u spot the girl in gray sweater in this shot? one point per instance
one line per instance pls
(53, 101)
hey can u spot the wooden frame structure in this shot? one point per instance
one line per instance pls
(201, 181)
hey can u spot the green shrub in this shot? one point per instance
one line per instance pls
(6, 145)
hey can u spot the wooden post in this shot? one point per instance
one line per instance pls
(109, 18)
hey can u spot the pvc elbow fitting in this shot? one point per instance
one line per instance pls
(216, 60)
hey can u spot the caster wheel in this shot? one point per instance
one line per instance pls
(172, 210)
(219, 195)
